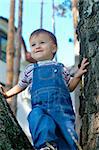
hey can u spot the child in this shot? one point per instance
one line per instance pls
(52, 117)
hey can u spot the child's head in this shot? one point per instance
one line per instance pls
(43, 45)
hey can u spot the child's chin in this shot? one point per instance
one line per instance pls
(39, 58)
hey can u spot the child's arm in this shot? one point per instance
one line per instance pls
(75, 80)
(13, 91)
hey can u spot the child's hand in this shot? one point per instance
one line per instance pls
(82, 68)
(2, 91)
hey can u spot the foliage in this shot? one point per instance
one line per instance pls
(64, 8)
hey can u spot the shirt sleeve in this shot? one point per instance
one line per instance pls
(66, 75)
(25, 77)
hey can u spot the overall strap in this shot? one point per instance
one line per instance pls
(35, 65)
(60, 64)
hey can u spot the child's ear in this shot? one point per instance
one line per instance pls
(54, 49)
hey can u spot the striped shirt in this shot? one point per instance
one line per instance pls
(26, 76)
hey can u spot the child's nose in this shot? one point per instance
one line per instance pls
(37, 45)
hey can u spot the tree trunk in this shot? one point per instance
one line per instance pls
(75, 23)
(18, 44)
(41, 15)
(10, 50)
(10, 46)
(53, 16)
(11, 135)
(88, 30)
(17, 54)
(53, 21)
(75, 17)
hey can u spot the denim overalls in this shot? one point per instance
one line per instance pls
(52, 112)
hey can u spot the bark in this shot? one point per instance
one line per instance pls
(10, 49)
(11, 135)
(53, 16)
(53, 21)
(88, 31)
(10, 45)
(75, 17)
(18, 44)
(17, 58)
(41, 15)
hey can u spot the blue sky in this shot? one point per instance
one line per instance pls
(31, 21)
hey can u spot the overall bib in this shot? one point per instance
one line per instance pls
(52, 112)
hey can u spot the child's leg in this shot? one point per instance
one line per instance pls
(42, 127)
(65, 123)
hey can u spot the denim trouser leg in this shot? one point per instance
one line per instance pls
(65, 123)
(42, 127)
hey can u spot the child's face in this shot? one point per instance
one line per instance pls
(42, 47)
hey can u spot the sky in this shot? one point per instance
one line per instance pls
(31, 21)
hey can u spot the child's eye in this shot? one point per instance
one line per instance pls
(33, 44)
(42, 42)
